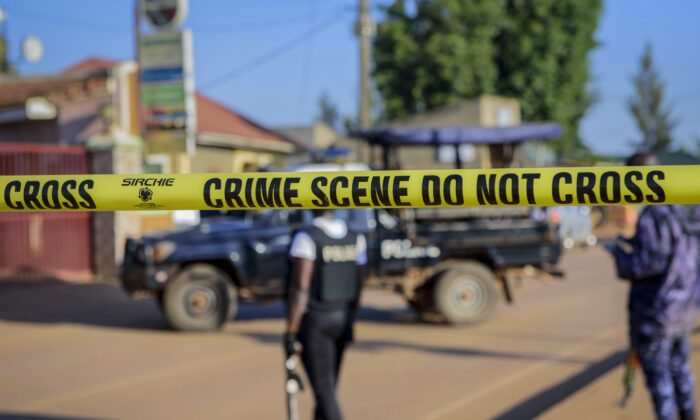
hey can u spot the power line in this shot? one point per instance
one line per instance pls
(273, 53)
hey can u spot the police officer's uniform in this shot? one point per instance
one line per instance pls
(326, 327)
(662, 267)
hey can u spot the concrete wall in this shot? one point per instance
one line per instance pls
(485, 111)
(126, 223)
(247, 161)
(103, 242)
(211, 159)
(78, 121)
(496, 111)
(214, 159)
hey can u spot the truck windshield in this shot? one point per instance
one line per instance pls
(358, 220)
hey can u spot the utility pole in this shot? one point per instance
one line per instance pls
(136, 114)
(364, 29)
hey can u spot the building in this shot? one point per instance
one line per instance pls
(229, 142)
(45, 125)
(91, 109)
(484, 111)
(321, 136)
(66, 108)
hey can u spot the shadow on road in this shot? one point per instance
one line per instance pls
(251, 311)
(548, 398)
(378, 345)
(537, 337)
(96, 304)
(26, 416)
(105, 305)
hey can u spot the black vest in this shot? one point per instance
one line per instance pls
(334, 282)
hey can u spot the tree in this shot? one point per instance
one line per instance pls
(442, 55)
(543, 51)
(452, 50)
(6, 68)
(328, 112)
(653, 118)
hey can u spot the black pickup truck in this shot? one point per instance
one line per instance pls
(447, 263)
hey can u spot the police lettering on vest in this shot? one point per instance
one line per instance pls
(334, 282)
(339, 253)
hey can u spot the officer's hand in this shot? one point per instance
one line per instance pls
(291, 344)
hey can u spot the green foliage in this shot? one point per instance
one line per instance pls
(442, 55)
(3, 53)
(653, 118)
(6, 68)
(543, 61)
(452, 50)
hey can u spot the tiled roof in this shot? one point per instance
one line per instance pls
(86, 77)
(213, 117)
(15, 92)
(91, 65)
(89, 76)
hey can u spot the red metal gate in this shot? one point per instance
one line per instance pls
(57, 244)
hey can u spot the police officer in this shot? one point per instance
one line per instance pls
(660, 262)
(323, 298)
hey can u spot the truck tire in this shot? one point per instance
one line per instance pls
(466, 293)
(199, 298)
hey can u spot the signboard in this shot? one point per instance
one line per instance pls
(167, 92)
(164, 14)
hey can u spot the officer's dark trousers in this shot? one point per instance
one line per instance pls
(324, 336)
(664, 360)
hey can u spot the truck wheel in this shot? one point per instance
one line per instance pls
(466, 294)
(199, 298)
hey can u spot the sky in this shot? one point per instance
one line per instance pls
(271, 60)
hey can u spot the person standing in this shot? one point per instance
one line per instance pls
(661, 263)
(322, 302)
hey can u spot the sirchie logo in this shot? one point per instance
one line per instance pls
(145, 194)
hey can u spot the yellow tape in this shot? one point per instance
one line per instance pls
(425, 188)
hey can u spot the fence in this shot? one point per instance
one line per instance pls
(56, 244)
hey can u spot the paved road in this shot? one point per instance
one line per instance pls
(88, 351)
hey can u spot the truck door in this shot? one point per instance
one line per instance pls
(269, 247)
(394, 251)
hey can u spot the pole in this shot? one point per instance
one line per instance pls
(365, 32)
(137, 44)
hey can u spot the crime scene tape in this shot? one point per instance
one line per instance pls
(378, 189)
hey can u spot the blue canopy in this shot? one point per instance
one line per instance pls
(416, 136)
